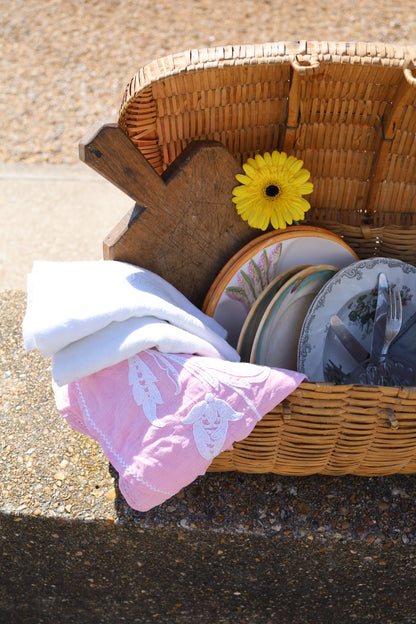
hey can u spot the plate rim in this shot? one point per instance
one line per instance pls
(235, 263)
(291, 271)
(311, 270)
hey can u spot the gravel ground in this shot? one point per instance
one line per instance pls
(228, 548)
(49, 470)
(64, 63)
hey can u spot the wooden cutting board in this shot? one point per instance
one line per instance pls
(184, 225)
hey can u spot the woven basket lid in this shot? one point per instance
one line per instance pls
(346, 109)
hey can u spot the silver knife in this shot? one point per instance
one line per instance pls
(379, 328)
(348, 341)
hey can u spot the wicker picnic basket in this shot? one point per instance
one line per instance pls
(348, 110)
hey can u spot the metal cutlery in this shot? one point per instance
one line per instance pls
(393, 318)
(380, 318)
(348, 341)
(379, 366)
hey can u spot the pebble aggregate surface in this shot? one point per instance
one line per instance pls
(64, 64)
(222, 548)
(47, 468)
(50, 470)
(230, 547)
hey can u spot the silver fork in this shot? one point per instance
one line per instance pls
(394, 318)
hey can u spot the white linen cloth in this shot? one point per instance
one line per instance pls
(89, 315)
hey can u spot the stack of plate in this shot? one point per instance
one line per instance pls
(262, 295)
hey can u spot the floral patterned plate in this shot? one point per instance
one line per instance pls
(276, 340)
(247, 274)
(352, 295)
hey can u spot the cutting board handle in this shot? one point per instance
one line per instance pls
(109, 151)
(184, 226)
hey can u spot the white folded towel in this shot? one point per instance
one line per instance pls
(120, 341)
(90, 314)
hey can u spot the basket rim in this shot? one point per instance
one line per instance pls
(300, 52)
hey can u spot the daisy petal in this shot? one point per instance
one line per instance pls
(259, 161)
(294, 164)
(302, 176)
(251, 162)
(306, 188)
(240, 190)
(250, 171)
(242, 178)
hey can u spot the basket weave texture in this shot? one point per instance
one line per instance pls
(348, 110)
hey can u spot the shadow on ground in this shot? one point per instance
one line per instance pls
(68, 571)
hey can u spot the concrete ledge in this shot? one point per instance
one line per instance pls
(229, 548)
(53, 212)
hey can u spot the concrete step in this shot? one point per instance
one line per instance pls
(230, 547)
(53, 212)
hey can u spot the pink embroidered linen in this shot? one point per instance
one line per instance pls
(162, 418)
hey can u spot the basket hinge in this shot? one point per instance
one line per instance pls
(303, 65)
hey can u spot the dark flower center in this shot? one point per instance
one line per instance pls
(272, 190)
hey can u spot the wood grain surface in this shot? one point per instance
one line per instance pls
(184, 225)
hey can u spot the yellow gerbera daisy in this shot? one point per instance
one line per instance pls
(271, 190)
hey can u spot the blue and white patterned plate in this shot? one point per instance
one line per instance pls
(352, 295)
